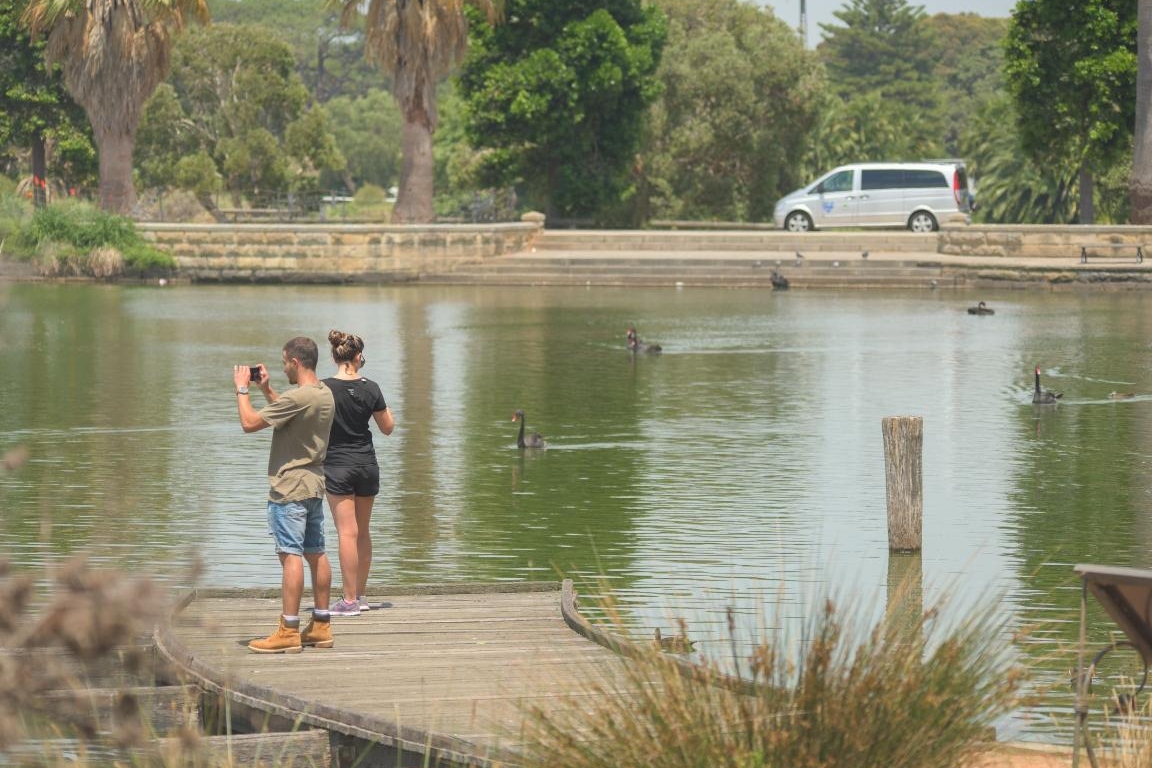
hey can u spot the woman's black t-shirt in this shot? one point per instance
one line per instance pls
(350, 442)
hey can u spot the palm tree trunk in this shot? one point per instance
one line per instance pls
(114, 148)
(1087, 195)
(414, 200)
(1140, 183)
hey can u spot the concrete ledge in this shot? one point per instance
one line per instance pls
(1036, 241)
(332, 253)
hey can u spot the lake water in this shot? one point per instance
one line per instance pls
(742, 468)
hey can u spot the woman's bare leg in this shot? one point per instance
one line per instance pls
(363, 542)
(344, 514)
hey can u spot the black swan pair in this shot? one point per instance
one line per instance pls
(1044, 396)
(530, 440)
(635, 345)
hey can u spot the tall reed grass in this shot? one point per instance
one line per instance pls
(908, 695)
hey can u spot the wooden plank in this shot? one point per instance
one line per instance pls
(158, 710)
(450, 673)
(300, 749)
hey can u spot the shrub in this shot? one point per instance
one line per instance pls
(15, 211)
(81, 228)
(899, 698)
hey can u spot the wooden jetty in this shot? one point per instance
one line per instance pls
(437, 675)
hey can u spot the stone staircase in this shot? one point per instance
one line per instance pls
(732, 259)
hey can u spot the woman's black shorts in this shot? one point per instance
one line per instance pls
(352, 481)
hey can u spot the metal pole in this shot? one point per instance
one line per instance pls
(803, 24)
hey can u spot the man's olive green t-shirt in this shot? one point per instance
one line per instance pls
(302, 420)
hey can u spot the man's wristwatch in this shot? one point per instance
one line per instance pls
(241, 390)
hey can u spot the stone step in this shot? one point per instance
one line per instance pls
(688, 266)
(775, 240)
(810, 279)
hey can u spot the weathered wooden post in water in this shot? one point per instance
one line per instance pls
(903, 473)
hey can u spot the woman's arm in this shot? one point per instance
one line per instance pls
(384, 420)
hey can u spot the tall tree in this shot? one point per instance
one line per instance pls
(1140, 184)
(558, 94)
(330, 59)
(114, 54)
(1071, 68)
(416, 42)
(969, 68)
(737, 106)
(235, 110)
(34, 106)
(886, 53)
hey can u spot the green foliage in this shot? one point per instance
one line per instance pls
(1011, 188)
(370, 194)
(367, 131)
(736, 108)
(15, 212)
(329, 59)
(1071, 68)
(881, 64)
(557, 95)
(34, 104)
(235, 99)
(910, 693)
(73, 230)
(969, 69)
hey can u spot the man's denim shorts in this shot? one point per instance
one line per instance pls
(297, 526)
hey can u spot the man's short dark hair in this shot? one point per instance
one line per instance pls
(303, 349)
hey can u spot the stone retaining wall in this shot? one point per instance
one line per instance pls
(332, 253)
(1038, 241)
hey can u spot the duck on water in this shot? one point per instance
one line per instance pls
(1046, 396)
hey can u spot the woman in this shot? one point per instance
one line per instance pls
(351, 474)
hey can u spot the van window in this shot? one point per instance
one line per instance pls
(883, 178)
(838, 182)
(919, 179)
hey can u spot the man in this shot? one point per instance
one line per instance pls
(301, 419)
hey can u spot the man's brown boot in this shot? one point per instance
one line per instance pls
(285, 639)
(318, 634)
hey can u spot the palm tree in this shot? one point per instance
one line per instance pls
(416, 42)
(114, 53)
(1140, 186)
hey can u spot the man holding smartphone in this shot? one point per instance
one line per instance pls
(301, 419)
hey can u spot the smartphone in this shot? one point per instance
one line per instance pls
(253, 373)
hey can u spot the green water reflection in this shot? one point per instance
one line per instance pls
(741, 468)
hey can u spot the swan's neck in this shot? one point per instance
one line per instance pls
(520, 437)
(1037, 383)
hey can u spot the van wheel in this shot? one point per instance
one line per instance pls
(798, 221)
(922, 221)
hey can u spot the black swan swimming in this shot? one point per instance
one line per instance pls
(1044, 397)
(779, 282)
(635, 345)
(532, 440)
(981, 309)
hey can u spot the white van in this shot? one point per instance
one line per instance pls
(914, 195)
